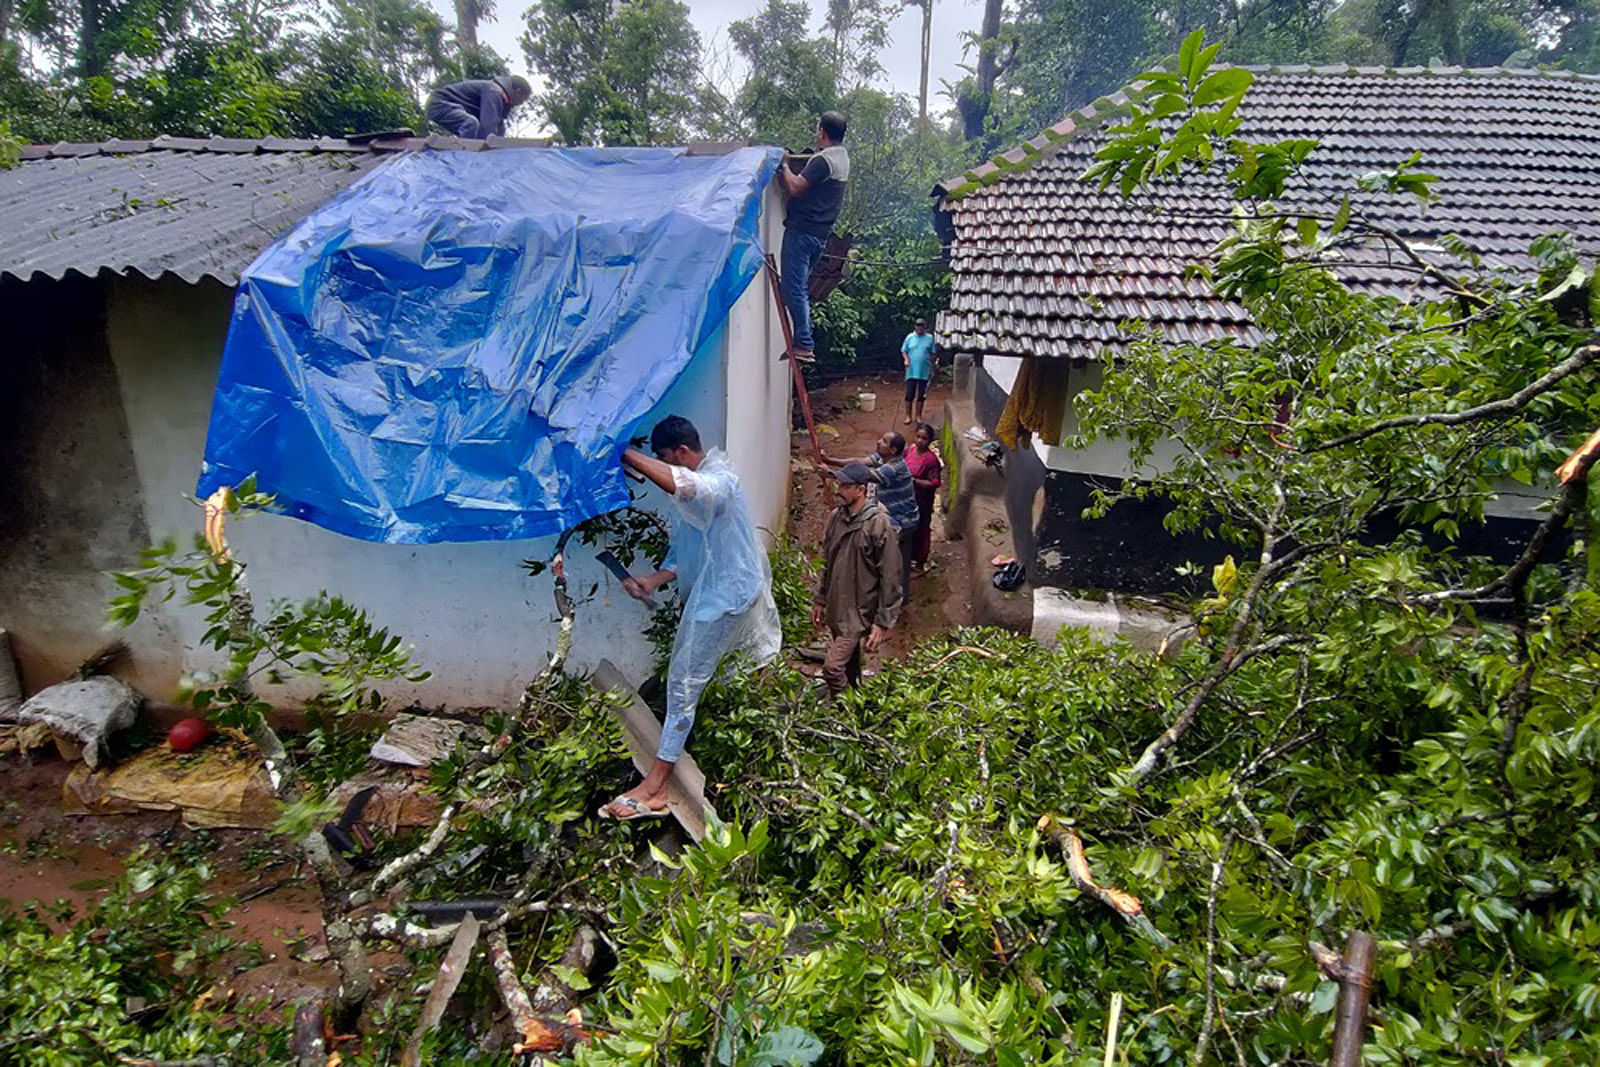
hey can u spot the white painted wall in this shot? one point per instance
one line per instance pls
(474, 617)
(759, 389)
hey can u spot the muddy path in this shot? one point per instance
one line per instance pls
(940, 599)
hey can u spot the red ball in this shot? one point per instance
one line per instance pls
(188, 735)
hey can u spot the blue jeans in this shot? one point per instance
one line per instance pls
(801, 253)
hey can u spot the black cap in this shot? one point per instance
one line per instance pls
(855, 474)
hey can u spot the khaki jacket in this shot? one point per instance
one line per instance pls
(861, 573)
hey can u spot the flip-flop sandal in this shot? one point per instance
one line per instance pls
(636, 810)
(1002, 560)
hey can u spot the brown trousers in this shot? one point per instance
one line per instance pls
(841, 667)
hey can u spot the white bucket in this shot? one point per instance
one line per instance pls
(868, 401)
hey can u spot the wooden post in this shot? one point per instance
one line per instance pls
(1355, 985)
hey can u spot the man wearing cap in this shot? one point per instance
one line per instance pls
(860, 593)
(895, 489)
(917, 354)
(477, 108)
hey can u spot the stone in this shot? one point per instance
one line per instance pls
(88, 712)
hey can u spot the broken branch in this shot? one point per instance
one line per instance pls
(1504, 406)
(536, 1034)
(1124, 904)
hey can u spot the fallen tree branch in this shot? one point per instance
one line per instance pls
(970, 649)
(308, 1044)
(1209, 1022)
(1125, 905)
(536, 1034)
(1235, 653)
(1504, 406)
(1573, 493)
(387, 927)
(585, 955)
(403, 865)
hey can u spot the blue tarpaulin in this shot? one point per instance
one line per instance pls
(458, 346)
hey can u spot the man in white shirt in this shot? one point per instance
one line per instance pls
(722, 575)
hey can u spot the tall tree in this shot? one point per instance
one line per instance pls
(624, 73)
(926, 8)
(791, 79)
(859, 31)
(405, 37)
(995, 52)
(468, 14)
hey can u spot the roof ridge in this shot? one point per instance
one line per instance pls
(1050, 140)
(1558, 73)
(117, 146)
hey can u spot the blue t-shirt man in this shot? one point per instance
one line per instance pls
(917, 352)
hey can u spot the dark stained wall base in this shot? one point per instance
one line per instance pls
(70, 504)
(989, 399)
(1129, 550)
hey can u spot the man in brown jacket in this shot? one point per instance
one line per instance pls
(860, 594)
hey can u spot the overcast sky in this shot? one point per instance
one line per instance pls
(901, 59)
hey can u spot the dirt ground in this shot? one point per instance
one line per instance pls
(47, 855)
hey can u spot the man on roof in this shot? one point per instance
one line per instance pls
(815, 196)
(477, 108)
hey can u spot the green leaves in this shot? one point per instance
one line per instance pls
(787, 1046)
(1143, 152)
(1403, 178)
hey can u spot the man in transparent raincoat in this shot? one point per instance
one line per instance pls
(723, 578)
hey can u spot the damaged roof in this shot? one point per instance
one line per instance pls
(1044, 264)
(191, 207)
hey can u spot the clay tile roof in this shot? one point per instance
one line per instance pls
(1044, 264)
(189, 206)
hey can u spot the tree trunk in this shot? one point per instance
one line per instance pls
(91, 63)
(922, 84)
(466, 27)
(975, 111)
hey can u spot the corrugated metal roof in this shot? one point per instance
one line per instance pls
(1044, 264)
(190, 207)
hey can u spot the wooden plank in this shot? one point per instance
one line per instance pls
(686, 789)
(444, 987)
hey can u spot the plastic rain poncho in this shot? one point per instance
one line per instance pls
(726, 588)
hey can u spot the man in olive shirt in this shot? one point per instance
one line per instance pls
(815, 196)
(860, 594)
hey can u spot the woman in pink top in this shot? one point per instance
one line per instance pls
(923, 461)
